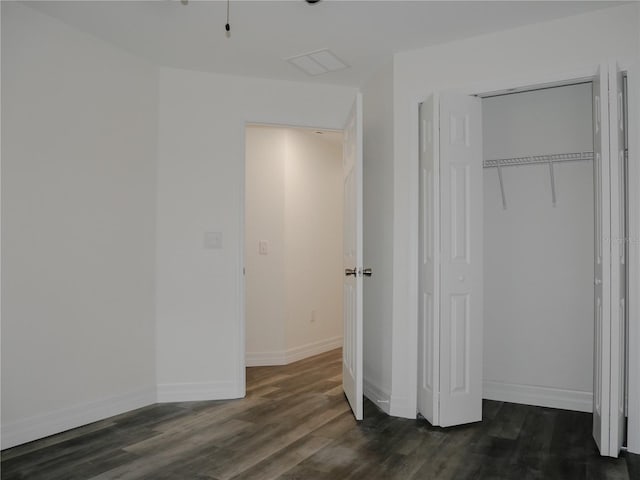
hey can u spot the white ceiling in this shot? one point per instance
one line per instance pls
(364, 34)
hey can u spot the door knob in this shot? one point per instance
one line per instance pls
(367, 272)
(597, 281)
(350, 271)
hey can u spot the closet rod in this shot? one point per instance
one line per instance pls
(535, 159)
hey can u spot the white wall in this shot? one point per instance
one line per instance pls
(202, 117)
(294, 202)
(78, 215)
(538, 259)
(264, 220)
(521, 56)
(313, 212)
(377, 95)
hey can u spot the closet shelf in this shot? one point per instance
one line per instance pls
(532, 160)
(535, 159)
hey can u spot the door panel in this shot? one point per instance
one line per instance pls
(461, 296)
(602, 265)
(460, 331)
(352, 260)
(429, 268)
(618, 253)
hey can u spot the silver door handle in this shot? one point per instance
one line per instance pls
(367, 272)
(350, 271)
(597, 281)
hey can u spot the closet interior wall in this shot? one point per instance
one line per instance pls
(538, 258)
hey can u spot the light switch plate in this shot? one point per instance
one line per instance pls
(212, 240)
(263, 247)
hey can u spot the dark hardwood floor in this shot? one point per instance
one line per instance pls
(296, 424)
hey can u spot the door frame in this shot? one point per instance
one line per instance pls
(632, 70)
(633, 275)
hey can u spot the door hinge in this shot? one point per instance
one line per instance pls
(367, 272)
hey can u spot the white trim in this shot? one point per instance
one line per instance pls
(413, 257)
(540, 396)
(266, 359)
(633, 423)
(378, 395)
(57, 421)
(403, 406)
(284, 357)
(198, 391)
(311, 349)
(527, 82)
(241, 365)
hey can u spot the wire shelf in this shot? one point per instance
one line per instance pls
(537, 159)
(533, 160)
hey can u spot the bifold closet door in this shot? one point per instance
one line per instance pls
(429, 267)
(451, 219)
(609, 261)
(602, 263)
(618, 258)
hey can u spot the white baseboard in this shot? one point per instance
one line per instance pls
(401, 407)
(311, 349)
(192, 392)
(540, 396)
(45, 424)
(378, 395)
(284, 357)
(265, 359)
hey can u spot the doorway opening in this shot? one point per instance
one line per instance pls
(293, 244)
(538, 275)
(546, 262)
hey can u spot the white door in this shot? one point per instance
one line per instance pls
(352, 259)
(602, 264)
(452, 234)
(429, 269)
(461, 296)
(618, 259)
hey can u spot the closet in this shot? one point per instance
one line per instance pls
(522, 251)
(539, 247)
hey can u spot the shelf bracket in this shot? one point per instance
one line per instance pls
(553, 182)
(503, 195)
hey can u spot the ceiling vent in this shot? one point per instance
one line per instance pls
(318, 62)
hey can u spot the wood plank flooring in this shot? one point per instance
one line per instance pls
(296, 424)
